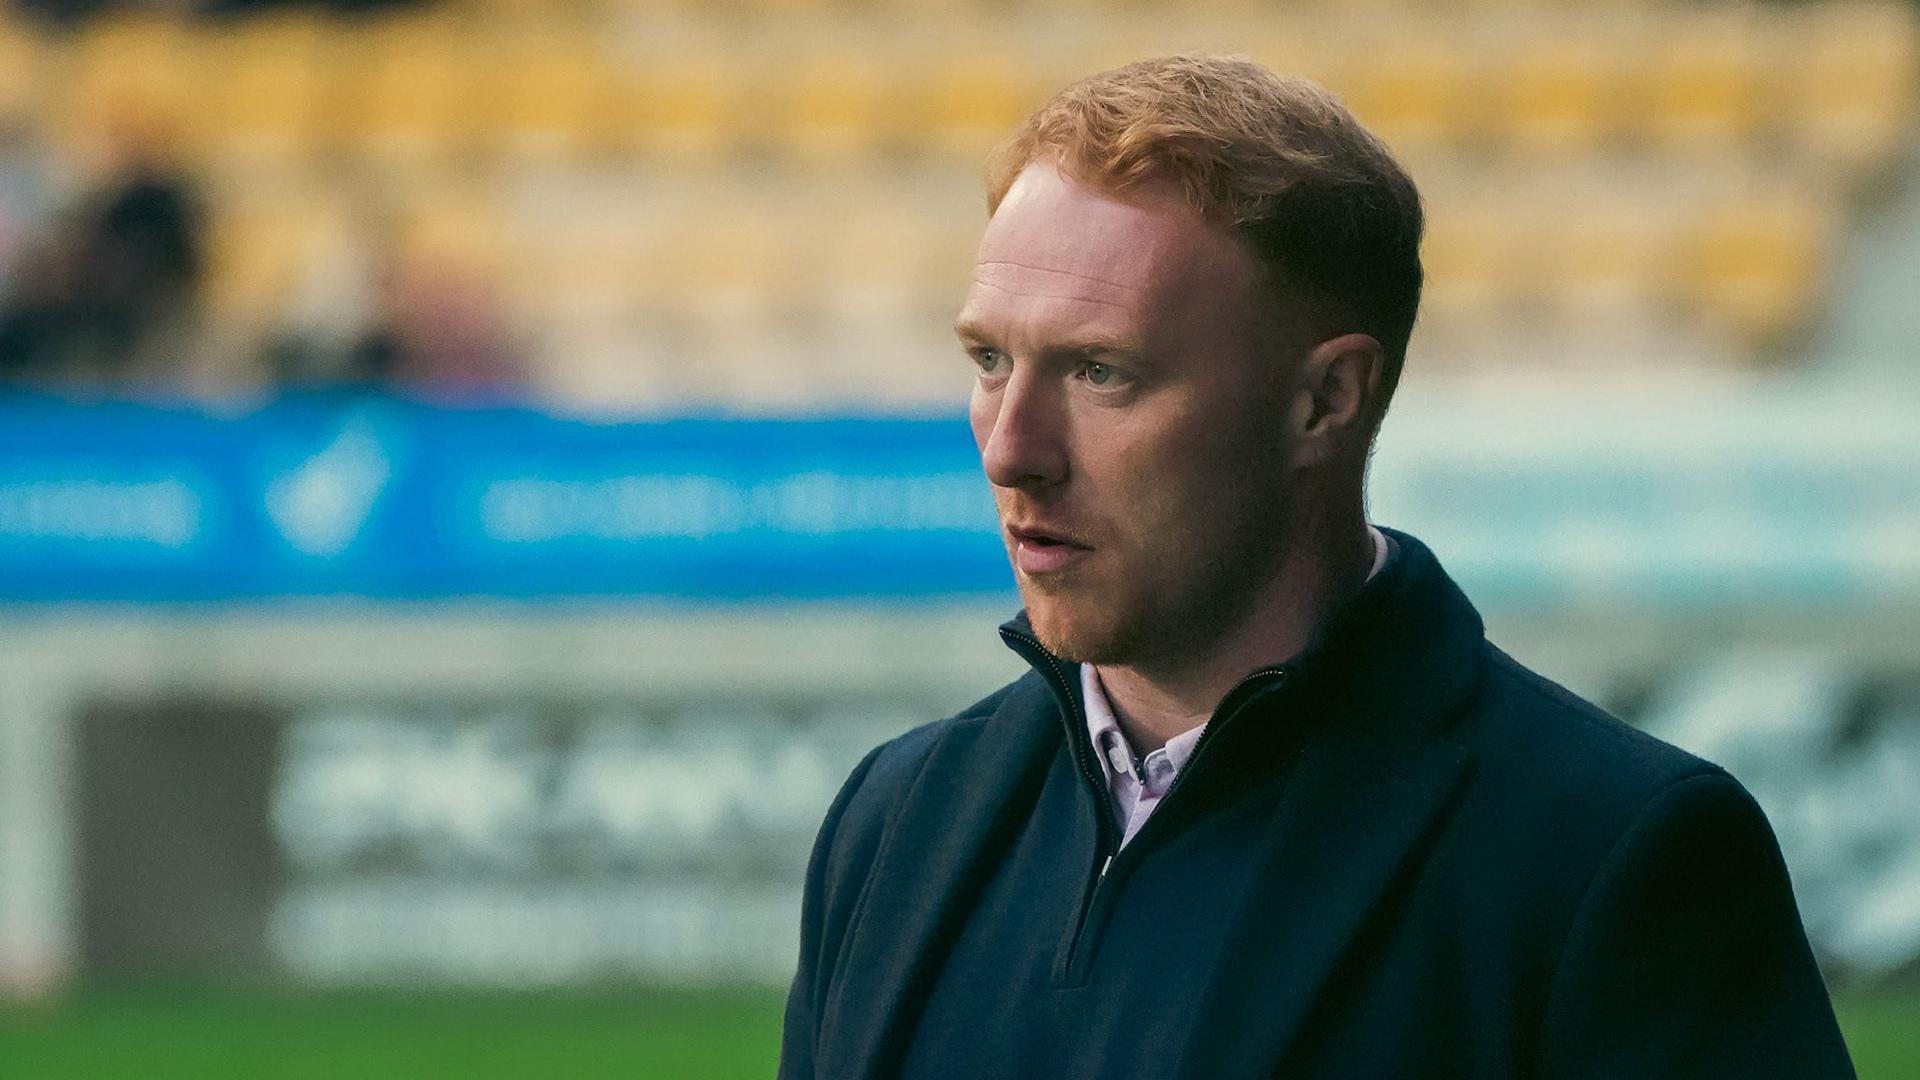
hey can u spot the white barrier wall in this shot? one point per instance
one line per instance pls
(527, 795)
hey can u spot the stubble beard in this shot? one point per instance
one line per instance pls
(1084, 623)
(1152, 620)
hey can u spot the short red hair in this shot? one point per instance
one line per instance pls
(1327, 209)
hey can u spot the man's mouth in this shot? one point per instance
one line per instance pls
(1041, 549)
(1045, 536)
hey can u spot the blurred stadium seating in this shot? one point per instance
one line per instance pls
(649, 182)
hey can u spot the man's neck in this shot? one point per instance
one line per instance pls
(1155, 702)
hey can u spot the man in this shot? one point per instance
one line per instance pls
(1268, 802)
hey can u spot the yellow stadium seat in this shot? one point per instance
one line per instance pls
(1850, 91)
(1702, 91)
(408, 90)
(872, 257)
(575, 265)
(941, 8)
(708, 252)
(457, 225)
(1415, 91)
(777, 8)
(528, 13)
(1609, 255)
(1755, 264)
(1286, 48)
(551, 95)
(1557, 89)
(264, 105)
(22, 77)
(952, 239)
(609, 369)
(1476, 257)
(258, 251)
(687, 106)
(970, 99)
(836, 103)
(132, 76)
(736, 266)
(606, 263)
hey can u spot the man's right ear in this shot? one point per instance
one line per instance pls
(1332, 401)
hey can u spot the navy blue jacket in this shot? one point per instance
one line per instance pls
(1399, 854)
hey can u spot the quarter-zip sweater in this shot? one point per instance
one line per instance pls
(1399, 853)
(1137, 784)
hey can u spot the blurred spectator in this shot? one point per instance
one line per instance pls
(26, 200)
(412, 321)
(437, 326)
(109, 292)
(346, 7)
(66, 12)
(70, 12)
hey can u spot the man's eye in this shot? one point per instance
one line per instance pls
(1099, 374)
(987, 359)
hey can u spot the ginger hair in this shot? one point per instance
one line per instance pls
(1323, 204)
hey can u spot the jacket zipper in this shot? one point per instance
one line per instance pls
(1107, 828)
(1109, 809)
(1076, 961)
(1108, 848)
(1225, 717)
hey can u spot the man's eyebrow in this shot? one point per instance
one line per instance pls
(1118, 348)
(1087, 347)
(970, 331)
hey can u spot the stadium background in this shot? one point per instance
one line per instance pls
(474, 475)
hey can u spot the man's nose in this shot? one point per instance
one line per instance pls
(1025, 441)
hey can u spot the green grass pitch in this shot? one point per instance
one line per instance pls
(164, 1032)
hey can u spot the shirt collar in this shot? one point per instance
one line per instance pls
(1104, 727)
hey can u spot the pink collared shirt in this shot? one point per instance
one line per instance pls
(1137, 783)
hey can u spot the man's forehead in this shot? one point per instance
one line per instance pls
(1052, 235)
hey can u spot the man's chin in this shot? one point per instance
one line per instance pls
(1071, 631)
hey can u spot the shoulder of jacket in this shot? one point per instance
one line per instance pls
(1557, 776)
(1560, 788)
(891, 769)
(1572, 739)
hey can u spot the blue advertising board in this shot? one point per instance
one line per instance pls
(1774, 496)
(378, 497)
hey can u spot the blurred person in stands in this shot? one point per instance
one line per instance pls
(375, 311)
(70, 12)
(438, 327)
(1268, 802)
(381, 318)
(26, 199)
(109, 294)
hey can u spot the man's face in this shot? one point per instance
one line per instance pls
(1129, 416)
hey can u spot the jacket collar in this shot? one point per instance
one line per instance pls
(1397, 657)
